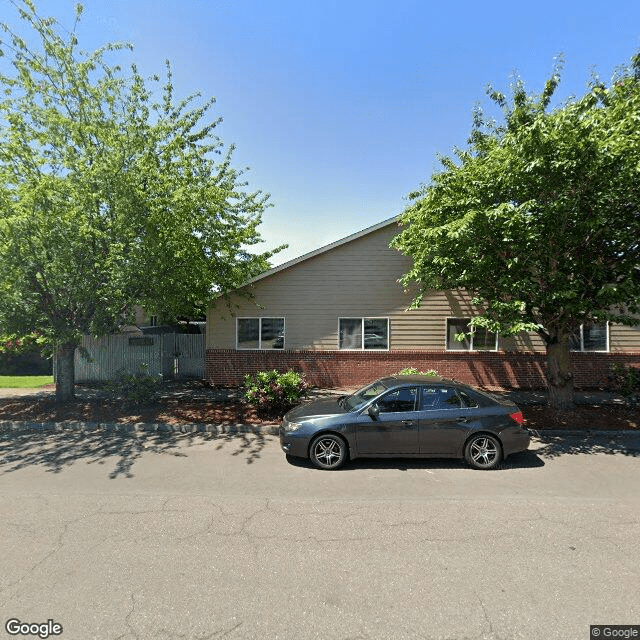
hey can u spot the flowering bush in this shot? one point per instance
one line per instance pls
(24, 354)
(273, 393)
(14, 344)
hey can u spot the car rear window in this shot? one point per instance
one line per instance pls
(468, 401)
(486, 397)
(437, 398)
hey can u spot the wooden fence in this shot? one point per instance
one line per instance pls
(171, 355)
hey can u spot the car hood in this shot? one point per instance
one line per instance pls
(315, 409)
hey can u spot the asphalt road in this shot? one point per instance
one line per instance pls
(189, 536)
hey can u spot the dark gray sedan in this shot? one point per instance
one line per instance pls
(406, 416)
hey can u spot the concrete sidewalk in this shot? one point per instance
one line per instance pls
(530, 397)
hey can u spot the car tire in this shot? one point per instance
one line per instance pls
(483, 451)
(328, 452)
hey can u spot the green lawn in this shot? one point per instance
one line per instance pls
(24, 382)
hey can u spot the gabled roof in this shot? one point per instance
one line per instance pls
(321, 250)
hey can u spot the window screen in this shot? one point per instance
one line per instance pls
(476, 339)
(364, 333)
(260, 333)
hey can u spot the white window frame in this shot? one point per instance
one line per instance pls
(362, 319)
(260, 319)
(468, 319)
(583, 350)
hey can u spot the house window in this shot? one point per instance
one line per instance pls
(260, 333)
(475, 339)
(153, 321)
(364, 333)
(590, 337)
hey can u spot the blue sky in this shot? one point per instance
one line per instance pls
(339, 108)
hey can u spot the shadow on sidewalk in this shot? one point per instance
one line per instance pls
(556, 445)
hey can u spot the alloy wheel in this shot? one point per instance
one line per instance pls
(328, 452)
(483, 452)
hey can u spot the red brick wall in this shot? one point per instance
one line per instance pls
(227, 367)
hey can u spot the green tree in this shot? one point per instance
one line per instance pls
(109, 197)
(538, 218)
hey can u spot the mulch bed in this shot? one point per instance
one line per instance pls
(178, 411)
(583, 418)
(168, 411)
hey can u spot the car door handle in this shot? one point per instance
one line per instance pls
(409, 423)
(464, 420)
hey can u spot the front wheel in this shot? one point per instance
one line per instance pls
(328, 452)
(483, 452)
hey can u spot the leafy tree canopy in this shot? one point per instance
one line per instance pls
(539, 216)
(113, 193)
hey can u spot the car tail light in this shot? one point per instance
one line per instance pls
(517, 416)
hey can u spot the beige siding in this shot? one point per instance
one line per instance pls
(623, 338)
(359, 279)
(356, 279)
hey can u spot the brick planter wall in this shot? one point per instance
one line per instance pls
(492, 370)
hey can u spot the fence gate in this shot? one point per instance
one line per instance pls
(183, 355)
(173, 355)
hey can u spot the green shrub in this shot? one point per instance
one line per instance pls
(273, 393)
(136, 387)
(626, 380)
(411, 371)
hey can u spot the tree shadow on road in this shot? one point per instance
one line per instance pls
(56, 450)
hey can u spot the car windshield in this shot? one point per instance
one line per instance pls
(358, 399)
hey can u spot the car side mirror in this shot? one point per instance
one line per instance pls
(374, 411)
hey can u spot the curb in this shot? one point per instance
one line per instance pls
(7, 426)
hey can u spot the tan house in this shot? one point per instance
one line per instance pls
(339, 315)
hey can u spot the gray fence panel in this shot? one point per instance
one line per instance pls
(169, 355)
(168, 349)
(112, 354)
(190, 355)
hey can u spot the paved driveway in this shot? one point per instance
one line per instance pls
(188, 536)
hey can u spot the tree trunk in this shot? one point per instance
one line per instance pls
(65, 372)
(559, 375)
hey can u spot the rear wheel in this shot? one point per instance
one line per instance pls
(483, 451)
(328, 451)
